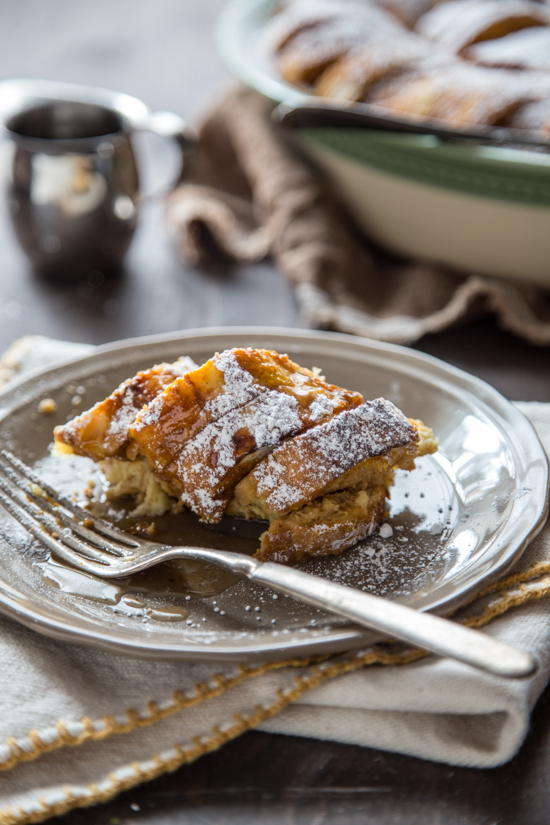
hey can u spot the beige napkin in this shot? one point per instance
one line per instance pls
(77, 725)
(248, 195)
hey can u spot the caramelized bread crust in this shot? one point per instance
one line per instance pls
(209, 428)
(524, 49)
(354, 75)
(312, 48)
(461, 23)
(102, 432)
(345, 495)
(305, 467)
(456, 93)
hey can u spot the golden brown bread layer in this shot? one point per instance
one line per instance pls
(458, 93)
(323, 493)
(208, 429)
(291, 19)
(311, 48)
(102, 432)
(325, 527)
(309, 54)
(324, 459)
(525, 49)
(354, 75)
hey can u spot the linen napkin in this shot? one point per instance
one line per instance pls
(248, 195)
(78, 725)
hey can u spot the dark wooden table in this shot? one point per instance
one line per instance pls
(164, 52)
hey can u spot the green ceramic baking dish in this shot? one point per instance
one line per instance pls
(472, 207)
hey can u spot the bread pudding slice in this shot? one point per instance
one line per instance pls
(254, 435)
(330, 457)
(102, 432)
(325, 489)
(207, 430)
(337, 520)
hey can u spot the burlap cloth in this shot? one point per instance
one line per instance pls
(249, 195)
(77, 726)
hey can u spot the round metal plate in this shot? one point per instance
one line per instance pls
(459, 520)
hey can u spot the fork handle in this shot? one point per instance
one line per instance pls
(432, 633)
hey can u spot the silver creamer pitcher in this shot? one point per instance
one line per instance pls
(73, 183)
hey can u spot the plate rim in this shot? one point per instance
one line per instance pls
(344, 637)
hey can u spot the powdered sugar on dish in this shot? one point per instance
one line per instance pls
(270, 418)
(123, 418)
(324, 453)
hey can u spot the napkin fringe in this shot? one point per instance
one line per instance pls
(183, 756)
(521, 588)
(42, 743)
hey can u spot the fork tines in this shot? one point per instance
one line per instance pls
(61, 524)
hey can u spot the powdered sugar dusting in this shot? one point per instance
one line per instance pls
(239, 389)
(124, 416)
(239, 386)
(150, 415)
(204, 461)
(71, 429)
(457, 23)
(322, 407)
(306, 21)
(315, 458)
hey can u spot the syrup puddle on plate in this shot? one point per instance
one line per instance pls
(72, 581)
(156, 594)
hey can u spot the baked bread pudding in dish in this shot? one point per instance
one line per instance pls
(468, 62)
(252, 434)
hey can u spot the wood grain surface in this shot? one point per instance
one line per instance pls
(163, 52)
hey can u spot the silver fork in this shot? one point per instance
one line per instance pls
(95, 546)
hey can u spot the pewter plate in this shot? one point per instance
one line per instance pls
(459, 521)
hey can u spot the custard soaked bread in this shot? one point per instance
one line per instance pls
(208, 429)
(102, 432)
(254, 435)
(330, 483)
